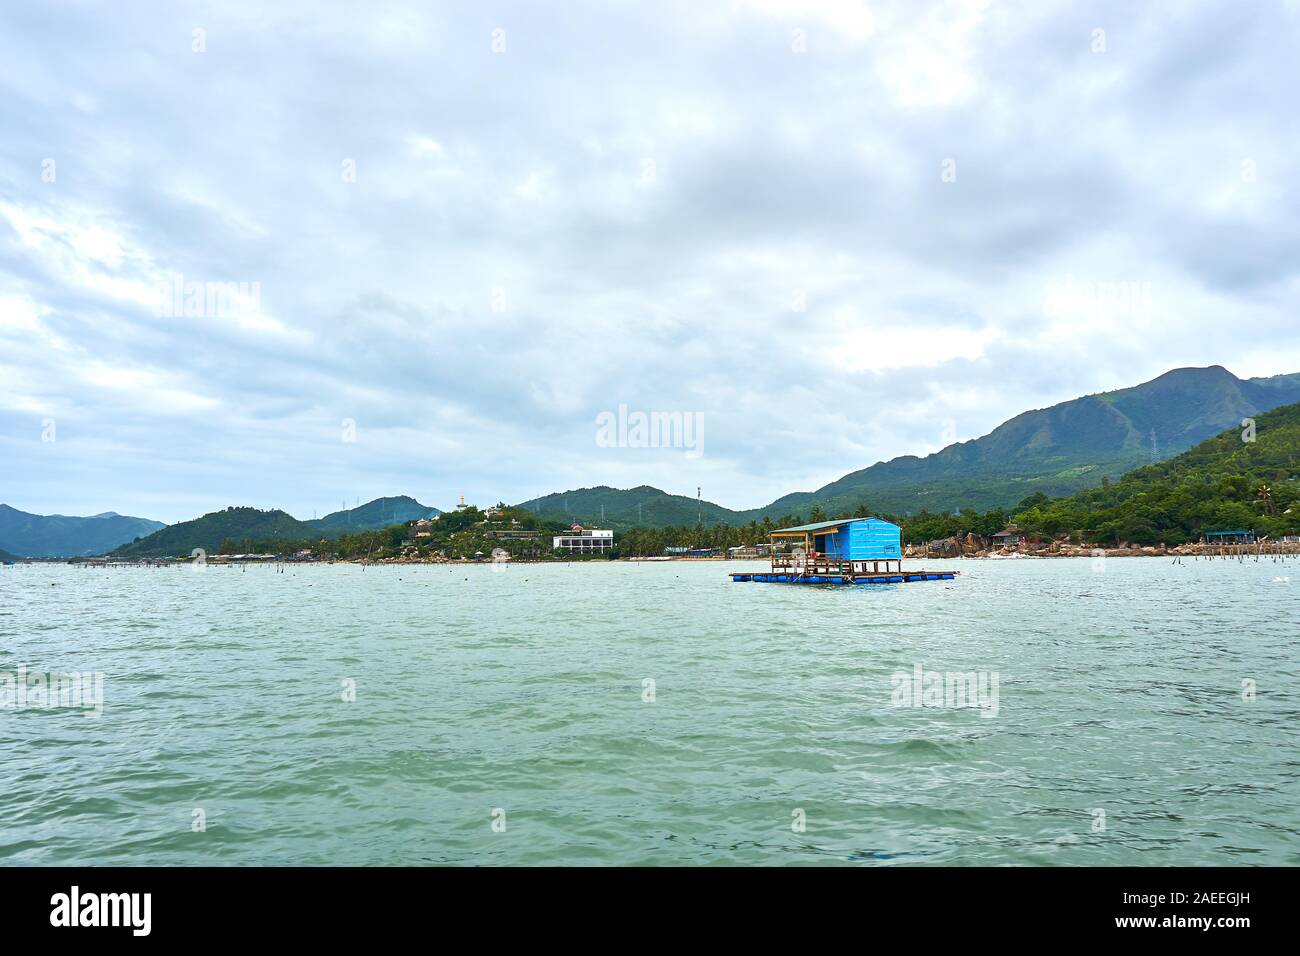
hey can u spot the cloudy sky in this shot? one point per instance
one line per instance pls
(838, 232)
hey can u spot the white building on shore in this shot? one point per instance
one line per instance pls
(583, 539)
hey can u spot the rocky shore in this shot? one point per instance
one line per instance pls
(972, 546)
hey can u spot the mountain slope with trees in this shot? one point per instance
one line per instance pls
(1058, 450)
(617, 508)
(66, 536)
(1227, 483)
(1053, 452)
(373, 515)
(249, 525)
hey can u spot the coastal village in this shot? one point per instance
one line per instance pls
(1226, 497)
(515, 542)
(502, 534)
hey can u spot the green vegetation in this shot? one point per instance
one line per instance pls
(373, 515)
(619, 509)
(463, 533)
(1058, 450)
(646, 542)
(272, 529)
(64, 536)
(1054, 452)
(669, 523)
(471, 533)
(252, 531)
(1222, 484)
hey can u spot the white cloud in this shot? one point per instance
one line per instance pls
(663, 206)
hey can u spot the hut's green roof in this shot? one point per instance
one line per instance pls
(820, 525)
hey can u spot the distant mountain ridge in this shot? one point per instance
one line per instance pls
(65, 536)
(1236, 480)
(617, 508)
(1057, 451)
(380, 513)
(210, 530)
(254, 525)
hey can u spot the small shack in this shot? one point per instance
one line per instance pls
(1230, 537)
(856, 541)
(1009, 537)
(845, 551)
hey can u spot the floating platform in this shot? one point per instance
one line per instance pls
(893, 577)
(842, 551)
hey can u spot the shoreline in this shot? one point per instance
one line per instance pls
(911, 553)
(1057, 550)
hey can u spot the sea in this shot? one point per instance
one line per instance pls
(1068, 712)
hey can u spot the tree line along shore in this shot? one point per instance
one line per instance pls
(1242, 480)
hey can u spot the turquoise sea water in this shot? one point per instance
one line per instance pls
(524, 690)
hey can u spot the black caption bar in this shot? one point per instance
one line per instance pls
(337, 905)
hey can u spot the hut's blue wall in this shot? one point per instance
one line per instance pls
(867, 539)
(872, 539)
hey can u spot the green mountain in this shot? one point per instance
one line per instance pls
(606, 507)
(250, 529)
(1054, 451)
(1226, 483)
(64, 536)
(373, 515)
(208, 532)
(6, 556)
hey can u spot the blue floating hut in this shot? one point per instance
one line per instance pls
(845, 551)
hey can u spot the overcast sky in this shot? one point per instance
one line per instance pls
(836, 232)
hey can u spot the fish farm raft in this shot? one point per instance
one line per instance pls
(848, 551)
